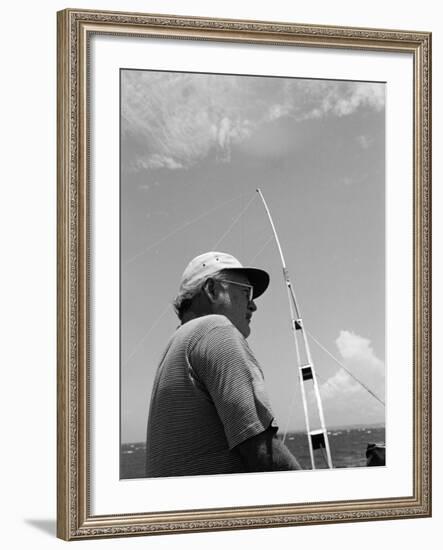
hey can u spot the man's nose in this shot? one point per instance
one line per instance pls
(252, 306)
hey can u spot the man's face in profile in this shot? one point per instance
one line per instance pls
(234, 301)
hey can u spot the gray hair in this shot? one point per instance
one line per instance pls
(186, 294)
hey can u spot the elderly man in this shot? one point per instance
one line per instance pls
(209, 411)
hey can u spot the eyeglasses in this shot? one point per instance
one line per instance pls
(249, 287)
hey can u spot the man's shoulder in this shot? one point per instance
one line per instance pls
(207, 328)
(209, 322)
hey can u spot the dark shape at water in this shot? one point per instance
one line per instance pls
(376, 454)
(48, 526)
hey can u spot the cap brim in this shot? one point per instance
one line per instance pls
(258, 278)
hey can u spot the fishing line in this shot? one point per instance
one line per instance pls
(344, 368)
(271, 238)
(160, 317)
(178, 229)
(234, 222)
(150, 329)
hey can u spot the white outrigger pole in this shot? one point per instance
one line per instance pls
(317, 439)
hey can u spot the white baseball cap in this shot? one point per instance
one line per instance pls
(205, 265)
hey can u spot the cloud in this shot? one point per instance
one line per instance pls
(363, 94)
(174, 120)
(158, 161)
(313, 99)
(278, 111)
(345, 400)
(364, 141)
(355, 347)
(360, 358)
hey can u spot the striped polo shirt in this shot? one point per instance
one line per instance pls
(208, 397)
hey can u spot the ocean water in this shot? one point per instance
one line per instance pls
(348, 450)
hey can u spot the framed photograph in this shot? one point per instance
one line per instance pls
(243, 274)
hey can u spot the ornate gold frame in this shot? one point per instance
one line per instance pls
(74, 30)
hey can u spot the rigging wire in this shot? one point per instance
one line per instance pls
(288, 417)
(325, 381)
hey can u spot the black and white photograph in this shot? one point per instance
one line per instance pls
(252, 274)
(243, 274)
(251, 181)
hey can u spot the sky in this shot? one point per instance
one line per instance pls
(194, 148)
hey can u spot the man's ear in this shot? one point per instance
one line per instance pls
(210, 290)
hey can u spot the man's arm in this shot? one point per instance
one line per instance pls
(266, 453)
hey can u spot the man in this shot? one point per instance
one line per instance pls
(209, 410)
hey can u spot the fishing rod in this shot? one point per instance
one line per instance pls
(317, 439)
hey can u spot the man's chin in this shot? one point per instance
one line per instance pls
(242, 327)
(246, 331)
